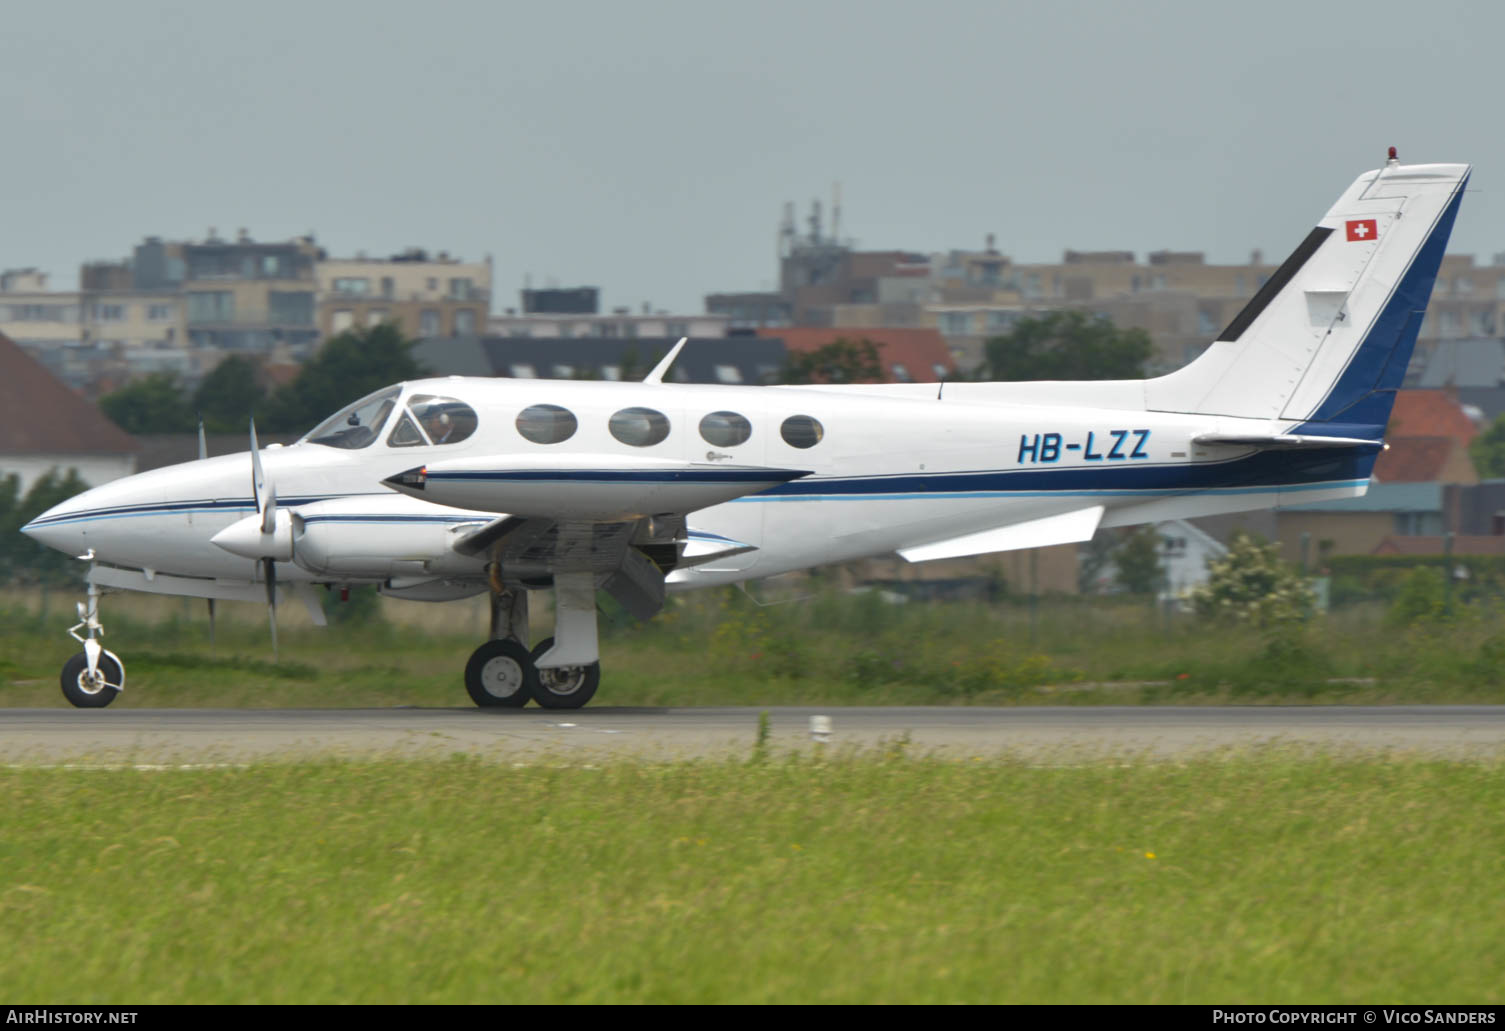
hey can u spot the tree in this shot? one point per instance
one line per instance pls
(840, 361)
(1253, 587)
(1067, 345)
(347, 367)
(1138, 561)
(21, 558)
(1488, 450)
(1094, 559)
(229, 395)
(152, 404)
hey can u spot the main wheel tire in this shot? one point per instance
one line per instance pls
(568, 687)
(85, 692)
(501, 674)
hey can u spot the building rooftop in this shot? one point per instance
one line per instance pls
(906, 355)
(39, 415)
(1415, 459)
(1382, 497)
(1430, 413)
(1476, 362)
(1463, 544)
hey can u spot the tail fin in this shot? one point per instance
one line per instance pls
(1324, 344)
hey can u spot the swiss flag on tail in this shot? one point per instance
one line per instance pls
(1362, 229)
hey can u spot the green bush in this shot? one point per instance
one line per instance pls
(1422, 598)
(1251, 586)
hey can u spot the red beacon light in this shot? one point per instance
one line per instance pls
(1392, 154)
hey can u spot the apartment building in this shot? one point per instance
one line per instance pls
(99, 335)
(438, 296)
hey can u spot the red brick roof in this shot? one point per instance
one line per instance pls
(1414, 459)
(1430, 413)
(39, 415)
(1463, 544)
(917, 350)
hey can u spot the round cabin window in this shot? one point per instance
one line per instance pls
(547, 424)
(639, 427)
(725, 429)
(801, 431)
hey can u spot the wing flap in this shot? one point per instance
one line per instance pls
(1065, 528)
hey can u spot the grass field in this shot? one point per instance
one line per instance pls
(718, 648)
(884, 878)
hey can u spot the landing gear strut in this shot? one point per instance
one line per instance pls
(92, 678)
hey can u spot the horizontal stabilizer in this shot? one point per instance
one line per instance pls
(1066, 528)
(1283, 441)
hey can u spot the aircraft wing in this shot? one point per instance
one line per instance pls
(1065, 528)
(624, 523)
(587, 487)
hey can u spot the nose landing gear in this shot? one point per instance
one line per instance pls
(92, 678)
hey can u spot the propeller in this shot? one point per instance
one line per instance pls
(265, 494)
(267, 537)
(270, 574)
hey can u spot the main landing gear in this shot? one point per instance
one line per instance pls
(93, 677)
(504, 673)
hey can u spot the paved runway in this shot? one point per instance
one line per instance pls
(153, 736)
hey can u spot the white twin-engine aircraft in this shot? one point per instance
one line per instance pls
(444, 488)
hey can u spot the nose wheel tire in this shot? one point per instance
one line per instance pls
(86, 691)
(568, 687)
(501, 674)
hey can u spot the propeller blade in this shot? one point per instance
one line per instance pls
(262, 489)
(270, 575)
(269, 510)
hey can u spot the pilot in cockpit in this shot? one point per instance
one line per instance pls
(439, 427)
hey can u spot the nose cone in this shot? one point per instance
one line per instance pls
(59, 527)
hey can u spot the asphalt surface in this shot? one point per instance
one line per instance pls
(167, 736)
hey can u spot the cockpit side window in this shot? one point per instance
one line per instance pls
(357, 426)
(407, 434)
(445, 419)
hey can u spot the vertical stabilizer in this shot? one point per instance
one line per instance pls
(1324, 344)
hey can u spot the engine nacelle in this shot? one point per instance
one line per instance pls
(380, 537)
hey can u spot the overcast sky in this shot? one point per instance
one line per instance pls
(648, 147)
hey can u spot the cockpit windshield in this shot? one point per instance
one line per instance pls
(356, 426)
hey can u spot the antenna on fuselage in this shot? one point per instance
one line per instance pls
(657, 375)
(203, 443)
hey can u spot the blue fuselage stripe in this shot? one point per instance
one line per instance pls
(626, 476)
